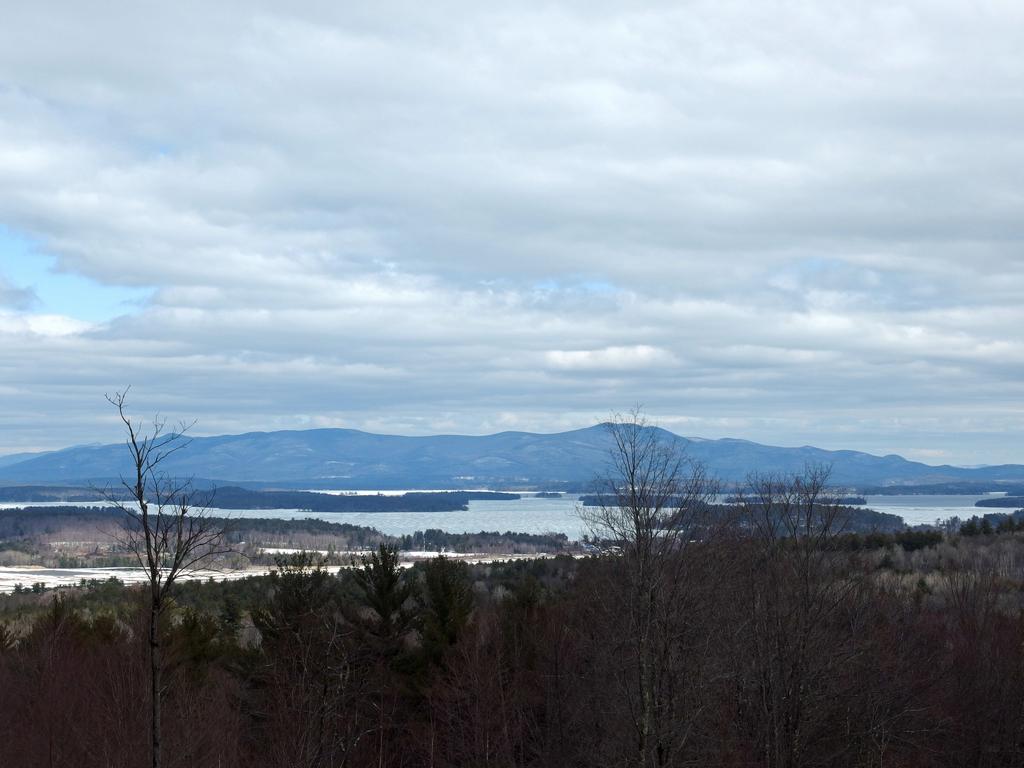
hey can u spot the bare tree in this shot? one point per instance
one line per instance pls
(797, 588)
(655, 505)
(166, 528)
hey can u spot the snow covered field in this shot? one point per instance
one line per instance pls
(26, 576)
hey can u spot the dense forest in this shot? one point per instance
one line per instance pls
(765, 652)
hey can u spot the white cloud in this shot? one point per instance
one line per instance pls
(40, 325)
(804, 219)
(635, 358)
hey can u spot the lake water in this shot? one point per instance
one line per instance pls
(916, 510)
(530, 514)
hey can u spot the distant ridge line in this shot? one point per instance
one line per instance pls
(355, 459)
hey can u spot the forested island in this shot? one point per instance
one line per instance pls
(234, 497)
(856, 519)
(444, 501)
(1005, 502)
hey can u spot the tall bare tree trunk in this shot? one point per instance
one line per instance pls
(155, 674)
(646, 700)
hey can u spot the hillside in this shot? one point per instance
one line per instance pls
(343, 458)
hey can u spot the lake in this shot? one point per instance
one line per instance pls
(916, 510)
(528, 514)
(534, 515)
(531, 514)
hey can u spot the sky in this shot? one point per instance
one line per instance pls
(789, 222)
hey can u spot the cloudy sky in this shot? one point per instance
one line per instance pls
(796, 223)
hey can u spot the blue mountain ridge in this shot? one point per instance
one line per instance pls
(347, 458)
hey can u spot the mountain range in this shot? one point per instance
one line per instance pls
(346, 458)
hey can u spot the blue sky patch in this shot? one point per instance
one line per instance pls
(25, 266)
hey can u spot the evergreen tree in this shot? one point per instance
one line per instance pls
(385, 591)
(447, 602)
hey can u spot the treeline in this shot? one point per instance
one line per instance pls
(30, 520)
(992, 524)
(951, 488)
(906, 541)
(435, 540)
(22, 521)
(22, 494)
(773, 653)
